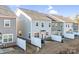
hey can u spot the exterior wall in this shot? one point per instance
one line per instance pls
(75, 27)
(56, 28)
(8, 30)
(24, 25)
(37, 29)
(67, 27)
(68, 30)
(28, 26)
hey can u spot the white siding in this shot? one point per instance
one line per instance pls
(24, 25)
(66, 28)
(39, 27)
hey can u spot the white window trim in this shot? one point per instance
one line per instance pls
(5, 22)
(1, 39)
(7, 41)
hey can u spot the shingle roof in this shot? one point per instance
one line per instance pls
(53, 17)
(75, 21)
(61, 18)
(5, 11)
(35, 15)
(68, 19)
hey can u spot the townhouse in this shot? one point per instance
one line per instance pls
(33, 25)
(56, 27)
(66, 28)
(7, 27)
(76, 26)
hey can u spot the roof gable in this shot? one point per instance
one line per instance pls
(35, 15)
(5, 11)
(59, 18)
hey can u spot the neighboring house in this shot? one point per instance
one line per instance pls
(76, 28)
(33, 25)
(56, 25)
(66, 27)
(56, 28)
(7, 26)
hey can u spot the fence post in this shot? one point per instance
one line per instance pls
(26, 47)
(38, 49)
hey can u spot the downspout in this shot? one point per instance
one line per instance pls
(31, 29)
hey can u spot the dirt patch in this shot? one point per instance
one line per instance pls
(15, 50)
(68, 47)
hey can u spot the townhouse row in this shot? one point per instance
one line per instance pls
(33, 26)
(37, 27)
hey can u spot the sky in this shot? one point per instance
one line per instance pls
(65, 10)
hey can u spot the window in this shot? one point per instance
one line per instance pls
(66, 25)
(42, 24)
(36, 35)
(46, 33)
(69, 31)
(10, 38)
(6, 23)
(0, 38)
(49, 24)
(53, 24)
(37, 24)
(75, 27)
(7, 38)
(29, 35)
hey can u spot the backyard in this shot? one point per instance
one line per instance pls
(70, 46)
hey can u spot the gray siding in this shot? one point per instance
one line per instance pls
(8, 30)
(57, 27)
(75, 27)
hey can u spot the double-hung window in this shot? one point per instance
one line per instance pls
(36, 35)
(7, 38)
(42, 25)
(49, 24)
(0, 38)
(36, 23)
(6, 23)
